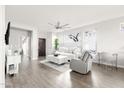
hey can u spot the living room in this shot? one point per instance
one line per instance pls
(57, 42)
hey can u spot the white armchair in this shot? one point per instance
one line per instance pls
(82, 66)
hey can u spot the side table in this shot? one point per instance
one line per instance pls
(116, 59)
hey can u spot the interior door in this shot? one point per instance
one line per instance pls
(42, 47)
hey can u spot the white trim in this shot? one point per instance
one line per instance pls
(44, 61)
(2, 85)
(120, 66)
(104, 63)
(22, 26)
(2, 46)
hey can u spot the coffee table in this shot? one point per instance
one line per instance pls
(60, 59)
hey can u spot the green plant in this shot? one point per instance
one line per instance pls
(56, 43)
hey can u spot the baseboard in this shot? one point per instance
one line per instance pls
(2, 85)
(119, 66)
(43, 61)
(34, 58)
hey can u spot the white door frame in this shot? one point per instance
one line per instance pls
(2, 46)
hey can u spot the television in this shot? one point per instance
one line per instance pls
(7, 34)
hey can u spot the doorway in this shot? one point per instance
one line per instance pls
(42, 47)
(20, 41)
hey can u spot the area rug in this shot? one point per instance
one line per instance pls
(61, 68)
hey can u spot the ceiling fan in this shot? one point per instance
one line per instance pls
(59, 26)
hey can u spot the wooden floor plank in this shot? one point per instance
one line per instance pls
(33, 74)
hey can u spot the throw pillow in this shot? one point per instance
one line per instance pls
(82, 55)
(85, 56)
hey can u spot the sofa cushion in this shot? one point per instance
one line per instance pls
(69, 55)
(70, 50)
(88, 59)
(63, 49)
(82, 54)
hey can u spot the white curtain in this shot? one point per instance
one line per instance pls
(89, 40)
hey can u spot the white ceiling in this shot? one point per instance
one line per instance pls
(40, 16)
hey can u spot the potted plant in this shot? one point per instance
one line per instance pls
(56, 42)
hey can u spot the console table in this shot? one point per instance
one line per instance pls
(113, 54)
(116, 59)
(13, 63)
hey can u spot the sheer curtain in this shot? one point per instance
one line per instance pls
(89, 40)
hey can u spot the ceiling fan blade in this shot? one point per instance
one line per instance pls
(51, 24)
(65, 25)
(58, 24)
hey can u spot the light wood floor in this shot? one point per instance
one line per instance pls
(36, 75)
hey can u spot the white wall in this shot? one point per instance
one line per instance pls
(49, 43)
(2, 46)
(109, 36)
(87, 42)
(34, 44)
(65, 41)
(109, 39)
(42, 34)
